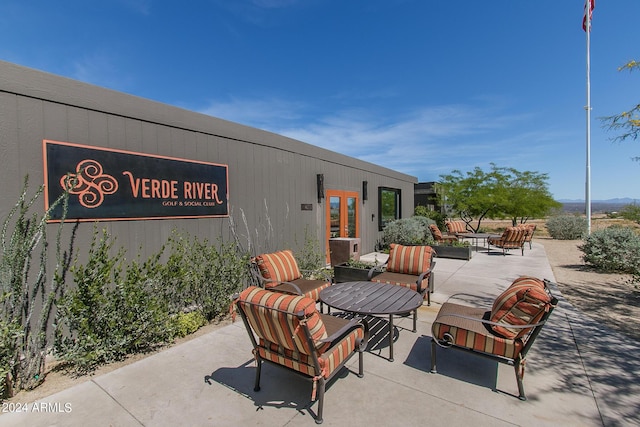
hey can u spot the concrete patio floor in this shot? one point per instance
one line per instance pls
(579, 373)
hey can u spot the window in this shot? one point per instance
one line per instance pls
(388, 206)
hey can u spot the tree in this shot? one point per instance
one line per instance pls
(499, 193)
(628, 122)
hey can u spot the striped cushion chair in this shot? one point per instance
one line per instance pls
(454, 227)
(411, 267)
(439, 237)
(529, 230)
(279, 271)
(288, 331)
(504, 334)
(512, 238)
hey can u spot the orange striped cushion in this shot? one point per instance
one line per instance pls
(524, 302)
(300, 362)
(456, 227)
(283, 327)
(279, 266)
(437, 234)
(453, 325)
(409, 259)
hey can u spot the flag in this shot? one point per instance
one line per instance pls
(588, 13)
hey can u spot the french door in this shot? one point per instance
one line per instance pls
(342, 215)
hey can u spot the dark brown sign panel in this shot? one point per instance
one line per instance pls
(107, 184)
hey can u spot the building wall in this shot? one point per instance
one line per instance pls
(270, 176)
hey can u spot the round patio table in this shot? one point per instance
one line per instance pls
(372, 298)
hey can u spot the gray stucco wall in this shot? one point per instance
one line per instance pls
(266, 171)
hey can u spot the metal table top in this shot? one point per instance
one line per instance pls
(371, 298)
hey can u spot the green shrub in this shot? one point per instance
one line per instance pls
(408, 231)
(613, 249)
(310, 258)
(436, 216)
(184, 324)
(631, 212)
(110, 314)
(567, 227)
(119, 310)
(27, 291)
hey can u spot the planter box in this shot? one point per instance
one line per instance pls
(344, 273)
(455, 252)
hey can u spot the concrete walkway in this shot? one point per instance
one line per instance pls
(579, 373)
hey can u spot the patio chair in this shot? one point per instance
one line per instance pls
(529, 229)
(408, 266)
(439, 237)
(456, 227)
(511, 238)
(288, 331)
(278, 271)
(505, 334)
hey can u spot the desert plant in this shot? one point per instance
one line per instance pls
(111, 313)
(613, 249)
(408, 231)
(567, 227)
(436, 216)
(118, 309)
(27, 293)
(310, 258)
(631, 212)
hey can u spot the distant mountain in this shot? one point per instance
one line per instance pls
(597, 206)
(617, 201)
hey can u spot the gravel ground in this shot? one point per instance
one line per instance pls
(606, 297)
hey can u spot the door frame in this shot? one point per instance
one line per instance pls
(344, 214)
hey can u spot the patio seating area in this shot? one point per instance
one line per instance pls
(578, 373)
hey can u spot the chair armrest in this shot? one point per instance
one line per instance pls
(375, 268)
(488, 322)
(282, 287)
(358, 322)
(423, 275)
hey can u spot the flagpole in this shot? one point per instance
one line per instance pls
(587, 198)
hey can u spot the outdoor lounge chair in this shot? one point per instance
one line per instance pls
(288, 331)
(439, 237)
(456, 227)
(408, 266)
(504, 334)
(278, 271)
(512, 238)
(530, 229)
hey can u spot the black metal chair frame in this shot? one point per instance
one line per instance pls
(519, 362)
(335, 337)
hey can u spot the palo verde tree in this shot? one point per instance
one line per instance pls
(627, 122)
(499, 193)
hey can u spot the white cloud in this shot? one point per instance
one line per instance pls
(101, 69)
(425, 142)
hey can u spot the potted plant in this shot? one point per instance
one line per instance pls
(353, 271)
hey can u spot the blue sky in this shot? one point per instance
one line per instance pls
(420, 86)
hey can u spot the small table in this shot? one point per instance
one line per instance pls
(372, 298)
(475, 236)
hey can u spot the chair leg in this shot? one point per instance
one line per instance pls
(321, 387)
(415, 319)
(433, 357)
(256, 385)
(519, 368)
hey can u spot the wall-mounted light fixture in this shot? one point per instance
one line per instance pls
(320, 186)
(365, 194)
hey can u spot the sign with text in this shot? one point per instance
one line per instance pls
(108, 184)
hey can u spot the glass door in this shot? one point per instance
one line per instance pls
(342, 215)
